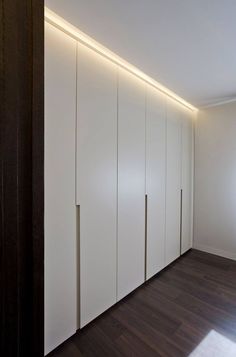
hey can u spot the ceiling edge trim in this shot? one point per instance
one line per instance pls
(74, 32)
(216, 104)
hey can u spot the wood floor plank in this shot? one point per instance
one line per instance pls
(147, 334)
(131, 346)
(204, 290)
(168, 316)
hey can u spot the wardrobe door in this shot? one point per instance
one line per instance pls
(96, 181)
(60, 208)
(173, 182)
(131, 183)
(187, 180)
(155, 180)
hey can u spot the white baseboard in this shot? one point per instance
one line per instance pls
(221, 253)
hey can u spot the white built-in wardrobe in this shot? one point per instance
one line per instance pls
(118, 183)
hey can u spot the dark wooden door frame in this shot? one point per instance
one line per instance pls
(21, 177)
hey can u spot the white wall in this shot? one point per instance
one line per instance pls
(215, 181)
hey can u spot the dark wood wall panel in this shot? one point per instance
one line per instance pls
(21, 179)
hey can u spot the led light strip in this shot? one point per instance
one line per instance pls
(74, 32)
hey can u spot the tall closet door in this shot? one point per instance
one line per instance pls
(155, 180)
(187, 180)
(131, 183)
(60, 208)
(173, 181)
(96, 181)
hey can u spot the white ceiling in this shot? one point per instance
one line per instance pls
(187, 45)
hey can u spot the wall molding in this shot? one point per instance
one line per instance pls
(216, 104)
(215, 251)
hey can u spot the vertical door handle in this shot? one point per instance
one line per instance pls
(181, 219)
(145, 249)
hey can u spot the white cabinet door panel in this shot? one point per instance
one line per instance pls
(155, 180)
(187, 180)
(173, 181)
(131, 183)
(60, 209)
(96, 181)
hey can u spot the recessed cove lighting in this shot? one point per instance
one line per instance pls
(74, 32)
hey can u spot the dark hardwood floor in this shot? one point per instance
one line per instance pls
(167, 316)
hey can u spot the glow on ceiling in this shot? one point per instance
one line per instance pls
(74, 32)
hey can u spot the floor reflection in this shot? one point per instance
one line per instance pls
(215, 345)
